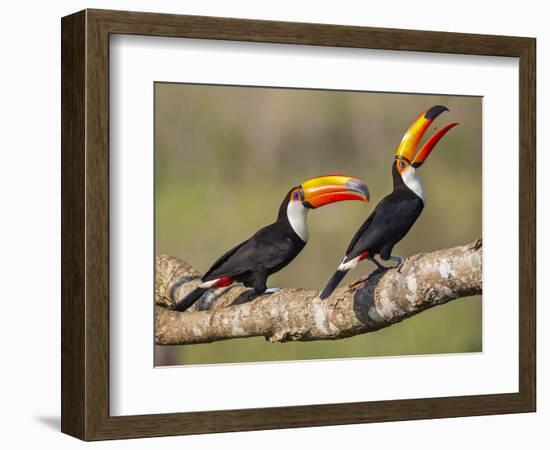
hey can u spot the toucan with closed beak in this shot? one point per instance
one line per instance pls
(396, 213)
(276, 245)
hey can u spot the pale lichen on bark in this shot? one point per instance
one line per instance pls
(368, 304)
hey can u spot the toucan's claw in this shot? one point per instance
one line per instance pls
(400, 261)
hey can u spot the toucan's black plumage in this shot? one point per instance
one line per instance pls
(276, 245)
(396, 213)
(266, 252)
(390, 221)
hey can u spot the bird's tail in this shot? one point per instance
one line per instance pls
(188, 301)
(333, 283)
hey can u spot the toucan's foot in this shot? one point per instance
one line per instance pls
(400, 261)
(272, 290)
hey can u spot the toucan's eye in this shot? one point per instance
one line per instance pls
(296, 195)
(402, 164)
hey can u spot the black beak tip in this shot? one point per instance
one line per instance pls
(435, 111)
(358, 186)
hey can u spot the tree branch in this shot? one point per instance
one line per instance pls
(368, 304)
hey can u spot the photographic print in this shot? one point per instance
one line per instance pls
(303, 224)
(287, 228)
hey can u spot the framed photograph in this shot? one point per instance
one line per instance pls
(272, 224)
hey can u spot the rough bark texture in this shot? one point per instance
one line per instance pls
(368, 304)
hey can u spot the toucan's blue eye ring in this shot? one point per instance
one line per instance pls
(295, 195)
(402, 164)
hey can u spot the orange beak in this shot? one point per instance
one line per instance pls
(328, 189)
(407, 147)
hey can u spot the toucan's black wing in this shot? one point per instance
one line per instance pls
(266, 250)
(219, 262)
(360, 232)
(392, 218)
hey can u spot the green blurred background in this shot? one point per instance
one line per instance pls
(225, 157)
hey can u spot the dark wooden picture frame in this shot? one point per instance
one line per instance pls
(85, 224)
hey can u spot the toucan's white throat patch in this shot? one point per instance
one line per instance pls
(412, 181)
(297, 216)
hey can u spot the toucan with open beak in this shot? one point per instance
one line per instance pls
(396, 213)
(276, 245)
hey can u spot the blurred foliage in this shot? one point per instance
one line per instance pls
(226, 156)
